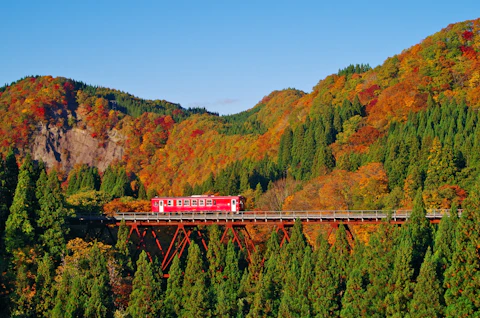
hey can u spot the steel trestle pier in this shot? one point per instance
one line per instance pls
(186, 225)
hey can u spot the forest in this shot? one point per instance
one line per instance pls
(416, 269)
(401, 135)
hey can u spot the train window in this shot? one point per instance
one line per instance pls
(170, 203)
(202, 202)
(214, 202)
(194, 202)
(155, 203)
(179, 202)
(209, 202)
(186, 202)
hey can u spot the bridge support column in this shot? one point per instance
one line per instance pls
(168, 257)
(236, 230)
(285, 237)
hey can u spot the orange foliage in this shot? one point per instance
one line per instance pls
(118, 205)
(342, 190)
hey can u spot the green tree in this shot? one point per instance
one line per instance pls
(44, 296)
(266, 299)
(324, 286)
(462, 278)
(194, 279)
(445, 239)
(285, 149)
(142, 193)
(145, 299)
(289, 306)
(51, 216)
(341, 254)
(400, 283)
(354, 297)
(173, 295)
(378, 262)
(249, 283)
(122, 247)
(227, 294)
(19, 231)
(428, 293)
(196, 302)
(10, 177)
(215, 258)
(305, 283)
(420, 231)
(441, 166)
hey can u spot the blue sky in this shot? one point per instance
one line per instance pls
(222, 55)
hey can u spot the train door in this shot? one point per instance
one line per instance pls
(234, 205)
(161, 206)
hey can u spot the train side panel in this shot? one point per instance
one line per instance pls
(198, 204)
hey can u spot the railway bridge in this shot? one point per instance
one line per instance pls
(179, 229)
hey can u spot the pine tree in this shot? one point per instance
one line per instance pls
(341, 254)
(249, 283)
(324, 286)
(401, 287)
(122, 247)
(266, 300)
(44, 296)
(19, 231)
(24, 283)
(173, 295)
(3, 200)
(196, 302)
(378, 262)
(285, 150)
(462, 278)
(72, 182)
(10, 177)
(197, 305)
(428, 293)
(289, 307)
(354, 297)
(441, 166)
(99, 301)
(420, 231)
(109, 180)
(51, 216)
(445, 239)
(305, 283)
(215, 257)
(297, 244)
(122, 184)
(226, 305)
(308, 154)
(145, 299)
(142, 193)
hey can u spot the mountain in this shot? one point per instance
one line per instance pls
(363, 138)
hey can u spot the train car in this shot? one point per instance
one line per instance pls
(198, 203)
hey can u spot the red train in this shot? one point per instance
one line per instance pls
(199, 203)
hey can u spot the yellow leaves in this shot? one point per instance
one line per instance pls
(78, 249)
(474, 80)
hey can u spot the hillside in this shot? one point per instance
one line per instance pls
(364, 138)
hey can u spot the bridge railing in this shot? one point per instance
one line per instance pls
(266, 216)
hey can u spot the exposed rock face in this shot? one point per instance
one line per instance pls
(62, 148)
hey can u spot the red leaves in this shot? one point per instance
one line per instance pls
(39, 111)
(196, 132)
(68, 86)
(467, 35)
(368, 94)
(468, 52)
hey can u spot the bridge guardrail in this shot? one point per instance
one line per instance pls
(264, 216)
